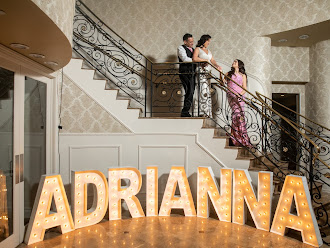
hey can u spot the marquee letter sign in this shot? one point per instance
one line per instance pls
(152, 191)
(260, 208)
(80, 180)
(229, 201)
(207, 185)
(50, 187)
(295, 187)
(177, 177)
(117, 193)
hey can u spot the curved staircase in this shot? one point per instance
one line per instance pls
(130, 86)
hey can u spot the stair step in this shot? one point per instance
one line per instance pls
(323, 201)
(317, 187)
(324, 226)
(113, 89)
(87, 69)
(244, 154)
(233, 147)
(220, 137)
(136, 109)
(261, 160)
(208, 123)
(257, 169)
(269, 164)
(220, 133)
(123, 98)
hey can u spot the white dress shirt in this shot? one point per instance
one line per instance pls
(182, 54)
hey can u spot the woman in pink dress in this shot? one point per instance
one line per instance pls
(235, 97)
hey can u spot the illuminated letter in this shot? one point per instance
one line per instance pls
(80, 180)
(152, 191)
(185, 201)
(243, 191)
(41, 219)
(116, 192)
(207, 185)
(296, 187)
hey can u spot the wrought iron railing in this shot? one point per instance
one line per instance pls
(317, 132)
(125, 67)
(278, 143)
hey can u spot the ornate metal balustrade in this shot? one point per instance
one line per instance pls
(317, 132)
(281, 144)
(124, 66)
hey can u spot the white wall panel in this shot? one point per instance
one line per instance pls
(164, 157)
(94, 157)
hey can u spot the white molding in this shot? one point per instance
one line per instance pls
(210, 153)
(140, 147)
(19, 59)
(148, 134)
(71, 148)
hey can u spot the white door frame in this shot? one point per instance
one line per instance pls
(23, 66)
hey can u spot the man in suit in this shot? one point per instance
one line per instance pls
(185, 53)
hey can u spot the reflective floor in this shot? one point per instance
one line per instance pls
(176, 231)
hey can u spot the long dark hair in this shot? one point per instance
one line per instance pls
(203, 39)
(241, 69)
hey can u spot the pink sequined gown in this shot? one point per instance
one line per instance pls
(238, 128)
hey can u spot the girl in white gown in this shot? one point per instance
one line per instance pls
(203, 54)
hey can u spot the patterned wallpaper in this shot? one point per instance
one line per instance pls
(156, 27)
(295, 89)
(81, 114)
(290, 64)
(318, 90)
(61, 12)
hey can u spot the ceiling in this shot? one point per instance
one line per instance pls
(25, 23)
(316, 32)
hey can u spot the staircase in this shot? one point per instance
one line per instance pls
(111, 100)
(150, 96)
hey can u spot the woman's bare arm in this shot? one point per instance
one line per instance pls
(195, 57)
(244, 85)
(215, 64)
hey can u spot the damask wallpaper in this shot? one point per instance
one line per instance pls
(318, 90)
(156, 27)
(290, 64)
(61, 12)
(81, 114)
